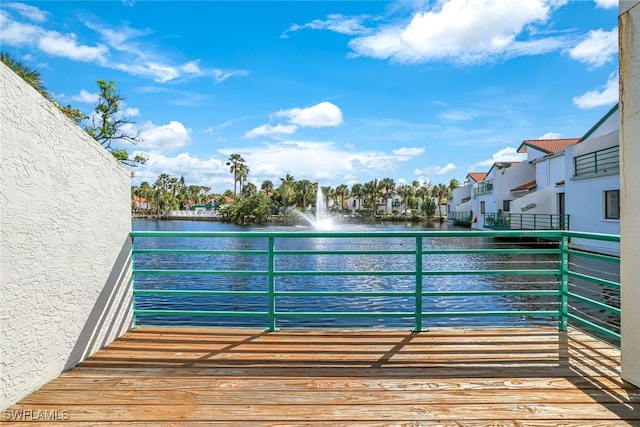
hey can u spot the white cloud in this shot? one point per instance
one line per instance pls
(597, 48)
(435, 170)
(121, 50)
(16, 33)
(30, 12)
(508, 154)
(220, 75)
(316, 161)
(171, 136)
(551, 135)
(597, 98)
(130, 112)
(66, 45)
(85, 97)
(349, 25)
(211, 172)
(319, 115)
(408, 152)
(463, 31)
(607, 4)
(269, 130)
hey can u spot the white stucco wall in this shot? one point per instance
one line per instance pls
(549, 171)
(630, 187)
(65, 249)
(584, 194)
(458, 194)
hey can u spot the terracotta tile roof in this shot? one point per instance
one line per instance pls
(477, 176)
(527, 186)
(548, 146)
(560, 182)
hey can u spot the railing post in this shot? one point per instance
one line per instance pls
(272, 285)
(595, 162)
(564, 282)
(133, 282)
(418, 296)
(534, 222)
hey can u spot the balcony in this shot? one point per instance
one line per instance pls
(484, 187)
(460, 218)
(513, 221)
(478, 332)
(598, 162)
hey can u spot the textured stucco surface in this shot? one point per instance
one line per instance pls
(65, 253)
(630, 188)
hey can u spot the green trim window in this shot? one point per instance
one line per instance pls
(482, 209)
(612, 204)
(506, 205)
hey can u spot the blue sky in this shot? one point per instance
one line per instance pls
(334, 92)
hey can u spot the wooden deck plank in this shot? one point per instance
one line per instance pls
(473, 376)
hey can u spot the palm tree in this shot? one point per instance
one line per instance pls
(343, 191)
(357, 191)
(371, 192)
(29, 75)
(267, 186)
(387, 184)
(405, 192)
(328, 192)
(234, 162)
(442, 193)
(304, 190)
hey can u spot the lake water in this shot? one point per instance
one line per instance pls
(340, 283)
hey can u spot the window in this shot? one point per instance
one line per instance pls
(506, 205)
(482, 208)
(612, 204)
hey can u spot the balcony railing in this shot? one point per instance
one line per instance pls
(515, 221)
(598, 162)
(460, 218)
(430, 278)
(484, 187)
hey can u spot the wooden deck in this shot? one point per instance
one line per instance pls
(185, 377)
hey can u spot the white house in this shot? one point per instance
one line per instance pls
(593, 185)
(461, 205)
(494, 194)
(543, 197)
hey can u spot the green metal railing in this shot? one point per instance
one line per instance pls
(484, 187)
(460, 218)
(515, 221)
(286, 265)
(601, 161)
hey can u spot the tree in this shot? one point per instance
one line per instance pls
(343, 192)
(304, 191)
(29, 75)
(387, 184)
(107, 126)
(267, 186)
(357, 191)
(442, 193)
(235, 161)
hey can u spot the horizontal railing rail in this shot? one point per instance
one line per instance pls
(484, 187)
(464, 217)
(517, 221)
(601, 161)
(284, 279)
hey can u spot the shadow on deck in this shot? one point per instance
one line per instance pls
(459, 376)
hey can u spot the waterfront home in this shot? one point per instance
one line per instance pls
(592, 183)
(537, 204)
(493, 195)
(460, 207)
